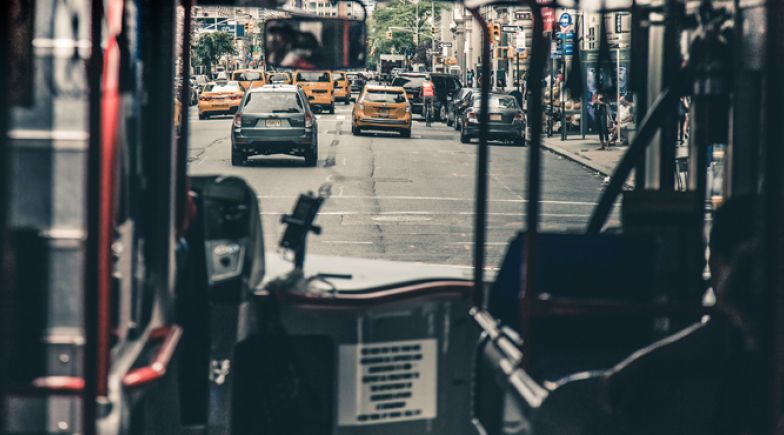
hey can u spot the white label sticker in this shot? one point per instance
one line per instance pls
(387, 382)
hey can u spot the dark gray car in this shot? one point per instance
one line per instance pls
(456, 105)
(505, 120)
(274, 119)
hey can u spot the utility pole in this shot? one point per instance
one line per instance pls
(432, 36)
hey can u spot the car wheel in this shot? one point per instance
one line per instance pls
(356, 131)
(311, 156)
(332, 109)
(238, 158)
(202, 116)
(346, 101)
(464, 138)
(405, 133)
(518, 141)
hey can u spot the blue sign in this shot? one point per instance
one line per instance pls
(565, 20)
(566, 42)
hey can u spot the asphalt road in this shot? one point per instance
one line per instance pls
(400, 199)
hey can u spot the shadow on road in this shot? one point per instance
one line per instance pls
(273, 162)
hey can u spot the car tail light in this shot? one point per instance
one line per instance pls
(472, 117)
(519, 117)
(308, 120)
(237, 120)
(236, 97)
(205, 98)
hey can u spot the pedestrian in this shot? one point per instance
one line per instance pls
(470, 79)
(428, 95)
(625, 119)
(601, 115)
(517, 94)
(683, 119)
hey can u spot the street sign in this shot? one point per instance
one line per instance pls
(523, 16)
(565, 20)
(510, 29)
(446, 44)
(520, 41)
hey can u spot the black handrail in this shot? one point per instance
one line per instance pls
(480, 216)
(92, 283)
(534, 127)
(185, 104)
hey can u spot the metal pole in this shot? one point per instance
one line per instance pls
(92, 367)
(482, 163)
(562, 97)
(432, 36)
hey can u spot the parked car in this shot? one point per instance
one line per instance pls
(318, 87)
(220, 98)
(274, 119)
(445, 86)
(249, 78)
(382, 108)
(455, 106)
(505, 120)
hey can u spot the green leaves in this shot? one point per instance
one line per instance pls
(209, 48)
(401, 14)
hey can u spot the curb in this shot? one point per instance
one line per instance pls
(586, 163)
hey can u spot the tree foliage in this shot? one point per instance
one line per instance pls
(209, 48)
(401, 13)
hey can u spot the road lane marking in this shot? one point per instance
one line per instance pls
(392, 213)
(346, 242)
(428, 198)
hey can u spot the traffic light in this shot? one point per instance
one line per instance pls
(389, 36)
(496, 32)
(248, 28)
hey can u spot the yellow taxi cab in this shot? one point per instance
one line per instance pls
(249, 78)
(342, 91)
(279, 78)
(220, 98)
(382, 108)
(318, 87)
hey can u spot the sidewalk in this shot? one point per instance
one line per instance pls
(586, 152)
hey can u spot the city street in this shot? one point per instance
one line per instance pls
(399, 199)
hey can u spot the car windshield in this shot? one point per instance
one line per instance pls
(313, 77)
(383, 96)
(273, 102)
(246, 76)
(279, 77)
(408, 81)
(227, 87)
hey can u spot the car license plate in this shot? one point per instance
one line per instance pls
(273, 123)
(383, 113)
(495, 117)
